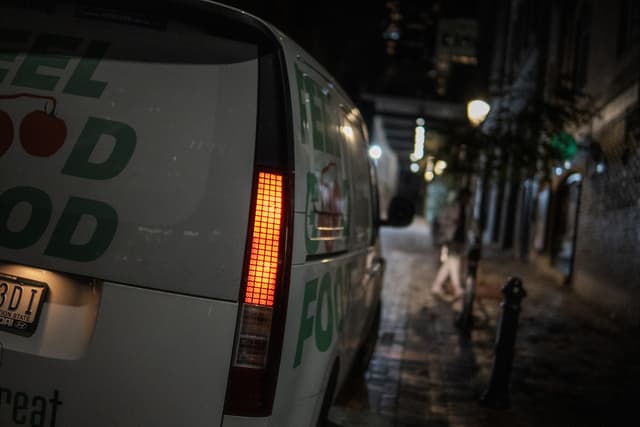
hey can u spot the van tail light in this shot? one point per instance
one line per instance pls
(258, 341)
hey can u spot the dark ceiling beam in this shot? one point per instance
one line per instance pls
(417, 107)
(400, 145)
(397, 133)
(410, 120)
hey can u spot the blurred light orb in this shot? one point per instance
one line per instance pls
(477, 111)
(348, 132)
(428, 176)
(420, 121)
(439, 167)
(375, 152)
(415, 168)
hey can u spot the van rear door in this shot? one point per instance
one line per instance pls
(127, 144)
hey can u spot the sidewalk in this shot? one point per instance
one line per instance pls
(573, 365)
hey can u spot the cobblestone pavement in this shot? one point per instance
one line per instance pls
(574, 366)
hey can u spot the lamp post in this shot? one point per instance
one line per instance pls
(477, 112)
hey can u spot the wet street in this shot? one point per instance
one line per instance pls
(573, 366)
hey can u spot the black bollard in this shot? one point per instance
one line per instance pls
(497, 395)
(464, 320)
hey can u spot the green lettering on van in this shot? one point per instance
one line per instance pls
(324, 334)
(80, 82)
(306, 321)
(40, 56)
(10, 36)
(79, 163)
(338, 293)
(41, 208)
(317, 114)
(310, 228)
(6, 57)
(61, 244)
(302, 102)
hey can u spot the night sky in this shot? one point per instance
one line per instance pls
(348, 38)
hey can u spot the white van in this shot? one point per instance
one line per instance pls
(187, 220)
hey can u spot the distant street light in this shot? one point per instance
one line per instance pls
(440, 166)
(375, 152)
(418, 141)
(477, 111)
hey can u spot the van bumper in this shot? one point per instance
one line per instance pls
(299, 413)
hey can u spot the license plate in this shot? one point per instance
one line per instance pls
(20, 303)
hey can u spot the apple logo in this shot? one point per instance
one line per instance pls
(42, 134)
(6, 132)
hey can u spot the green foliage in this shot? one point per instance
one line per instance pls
(532, 141)
(537, 138)
(564, 144)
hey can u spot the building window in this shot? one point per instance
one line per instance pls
(581, 57)
(629, 25)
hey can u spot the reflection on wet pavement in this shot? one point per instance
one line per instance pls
(573, 365)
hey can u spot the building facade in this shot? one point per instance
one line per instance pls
(578, 215)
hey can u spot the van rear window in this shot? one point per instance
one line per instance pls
(126, 152)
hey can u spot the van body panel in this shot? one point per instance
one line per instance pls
(236, 421)
(298, 412)
(336, 277)
(322, 178)
(301, 412)
(299, 239)
(67, 320)
(149, 351)
(331, 302)
(156, 340)
(154, 126)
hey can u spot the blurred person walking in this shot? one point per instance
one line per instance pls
(453, 223)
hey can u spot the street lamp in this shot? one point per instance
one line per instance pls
(440, 166)
(375, 152)
(477, 111)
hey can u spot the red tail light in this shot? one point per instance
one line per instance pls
(265, 241)
(259, 334)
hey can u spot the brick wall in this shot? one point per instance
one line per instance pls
(607, 264)
(607, 260)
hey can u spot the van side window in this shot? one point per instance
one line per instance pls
(327, 195)
(361, 197)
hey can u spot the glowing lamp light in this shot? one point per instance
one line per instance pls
(477, 111)
(439, 167)
(418, 143)
(375, 152)
(428, 176)
(414, 167)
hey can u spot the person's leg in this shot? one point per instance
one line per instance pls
(455, 265)
(441, 276)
